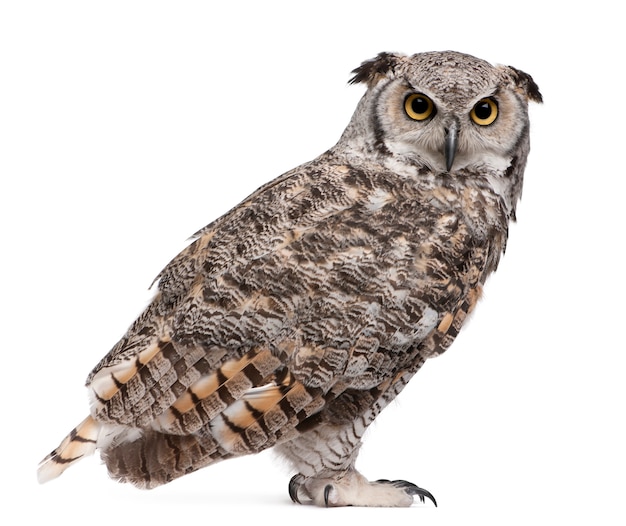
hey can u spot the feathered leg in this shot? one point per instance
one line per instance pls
(326, 450)
(325, 458)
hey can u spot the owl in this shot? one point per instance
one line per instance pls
(294, 319)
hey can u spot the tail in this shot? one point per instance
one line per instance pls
(79, 443)
(145, 458)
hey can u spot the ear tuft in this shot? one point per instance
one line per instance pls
(373, 70)
(527, 84)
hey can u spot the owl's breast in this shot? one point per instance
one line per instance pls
(347, 253)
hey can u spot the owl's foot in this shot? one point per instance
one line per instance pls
(352, 489)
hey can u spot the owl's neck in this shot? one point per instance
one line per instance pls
(503, 179)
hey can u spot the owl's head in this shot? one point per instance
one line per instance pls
(447, 110)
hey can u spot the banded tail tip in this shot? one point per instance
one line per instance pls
(79, 443)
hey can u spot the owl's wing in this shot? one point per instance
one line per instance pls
(318, 283)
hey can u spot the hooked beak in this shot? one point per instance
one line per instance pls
(451, 144)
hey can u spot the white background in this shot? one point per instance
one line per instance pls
(125, 126)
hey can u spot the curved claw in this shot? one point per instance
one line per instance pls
(411, 489)
(294, 486)
(327, 491)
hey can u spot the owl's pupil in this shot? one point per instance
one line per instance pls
(419, 105)
(483, 110)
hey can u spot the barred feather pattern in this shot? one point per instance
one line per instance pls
(295, 318)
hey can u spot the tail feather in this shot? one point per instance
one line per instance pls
(79, 443)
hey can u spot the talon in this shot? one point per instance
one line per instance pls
(411, 489)
(294, 485)
(327, 491)
(420, 492)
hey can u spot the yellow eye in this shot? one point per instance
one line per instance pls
(485, 112)
(419, 107)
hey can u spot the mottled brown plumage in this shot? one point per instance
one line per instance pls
(295, 318)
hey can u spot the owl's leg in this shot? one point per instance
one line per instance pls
(325, 457)
(325, 450)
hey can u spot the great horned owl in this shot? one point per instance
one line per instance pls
(295, 318)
